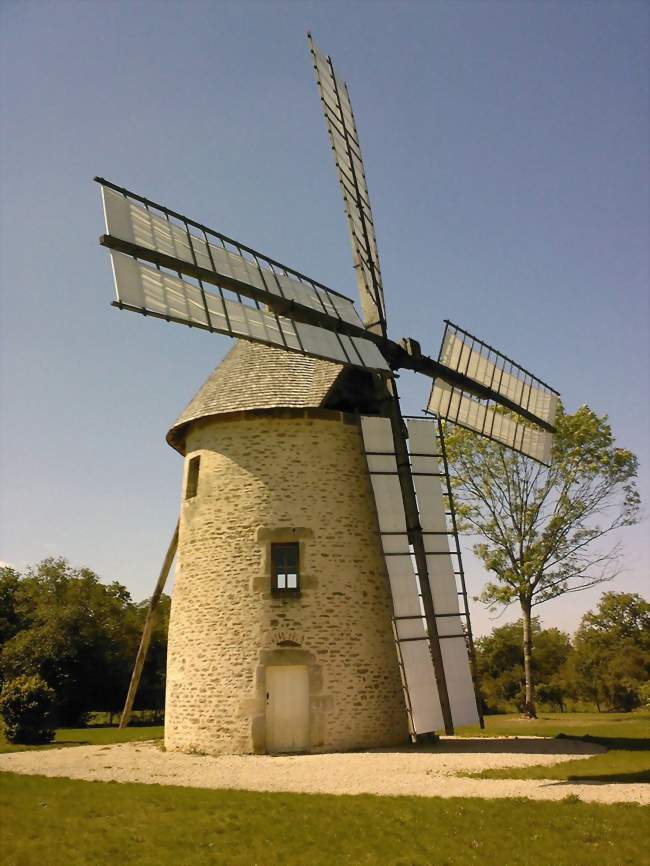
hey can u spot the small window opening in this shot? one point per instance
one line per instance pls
(285, 571)
(192, 478)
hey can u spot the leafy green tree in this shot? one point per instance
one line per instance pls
(500, 661)
(611, 660)
(76, 635)
(620, 616)
(12, 618)
(540, 527)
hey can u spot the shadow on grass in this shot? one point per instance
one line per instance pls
(643, 776)
(638, 778)
(625, 744)
(506, 745)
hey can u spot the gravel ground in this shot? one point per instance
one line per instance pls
(423, 771)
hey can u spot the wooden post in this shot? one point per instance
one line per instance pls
(148, 628)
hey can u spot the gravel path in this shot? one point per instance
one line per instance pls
(424, 771)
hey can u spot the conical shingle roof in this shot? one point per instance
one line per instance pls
(254, 376)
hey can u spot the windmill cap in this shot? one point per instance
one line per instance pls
(253, 377)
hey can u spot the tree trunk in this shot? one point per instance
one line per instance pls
(530, 708)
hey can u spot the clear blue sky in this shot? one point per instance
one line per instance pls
(506, 153)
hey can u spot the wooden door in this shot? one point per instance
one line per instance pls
(287, 708)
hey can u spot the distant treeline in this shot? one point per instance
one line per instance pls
(81, 636)
(606, 665)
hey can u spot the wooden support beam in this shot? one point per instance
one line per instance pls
(148, 628)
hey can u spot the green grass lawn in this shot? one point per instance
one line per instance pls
(95, 736)
(60, 822)
(625, 735)
(605, 725)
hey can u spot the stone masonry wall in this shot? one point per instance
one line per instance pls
(291, 476)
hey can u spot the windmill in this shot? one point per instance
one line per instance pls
(331, 364)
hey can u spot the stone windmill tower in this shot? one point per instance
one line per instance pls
(276, 482)
(319, 589)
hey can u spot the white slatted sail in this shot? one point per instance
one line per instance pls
(428, 476)
(488, 368)
(145, 289)
(421, 690)
(469, 357)
(129, 221)
(351, 174)
(412, 645)
(461, 408)
(426, 714)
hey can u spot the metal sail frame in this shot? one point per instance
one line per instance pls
(310, 304)
(475, 358)
(348, 159)
(430, 473)
(403, 355)
(414, 529)
(305, 316)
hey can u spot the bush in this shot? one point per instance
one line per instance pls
(26, 705)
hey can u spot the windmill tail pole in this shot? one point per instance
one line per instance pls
(148, 628)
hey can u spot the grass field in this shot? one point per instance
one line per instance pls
(625, 735)
(95, 736)
(604, 725)
(60, 822)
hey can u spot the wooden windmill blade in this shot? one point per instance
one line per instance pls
(517, 410)
(156, 259)
(344, 139)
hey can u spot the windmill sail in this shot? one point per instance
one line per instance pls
(349, 166)
(443, 564)
(152, 292)
(511, 385)
(130, 222)
(412, 640)
(250, 288)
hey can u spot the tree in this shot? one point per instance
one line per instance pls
(540, 526)
(81, 636)
(500, 662)
(13, 611)
(75, 635)
(611, 660)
